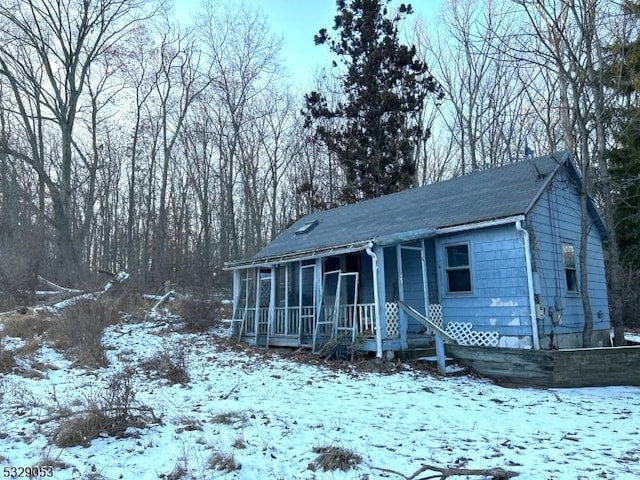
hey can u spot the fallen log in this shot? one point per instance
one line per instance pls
(57, 287)
(444, 473)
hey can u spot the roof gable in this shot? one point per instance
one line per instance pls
(419, 212)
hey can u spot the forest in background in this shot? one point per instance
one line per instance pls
(131, 142)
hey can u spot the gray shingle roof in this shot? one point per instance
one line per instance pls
(480, 196)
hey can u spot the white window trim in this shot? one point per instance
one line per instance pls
(447, 269)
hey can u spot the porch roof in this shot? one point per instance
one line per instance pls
(483, 196)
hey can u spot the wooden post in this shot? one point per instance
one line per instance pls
(442, 362)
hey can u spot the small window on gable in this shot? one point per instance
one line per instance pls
(458, 268)
(569, 258)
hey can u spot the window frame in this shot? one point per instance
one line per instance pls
(570, 272)
(459, 268)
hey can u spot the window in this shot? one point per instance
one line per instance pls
(458, 268)
(306, 227)
(569, 257)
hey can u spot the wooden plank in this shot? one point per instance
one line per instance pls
(426, 322)
(553, 368)
(599, 366)
(506, 365)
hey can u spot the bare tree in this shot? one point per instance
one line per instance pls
(484, 110)
(179, 82)
(245, 56)
(46, 50)
(570, 42)
(198, 149)
(138, 77)
(280, 145)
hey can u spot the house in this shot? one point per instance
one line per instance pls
(491, 256)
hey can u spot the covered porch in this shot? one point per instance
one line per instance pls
(348, 297)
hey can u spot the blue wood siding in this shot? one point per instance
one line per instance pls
(413, 286)
(499, 298)
(556, 219)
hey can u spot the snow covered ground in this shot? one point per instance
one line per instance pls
(265, 412)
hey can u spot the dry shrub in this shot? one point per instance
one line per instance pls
(31, 346)
(225, 462)
(229, 418)
(179, 471)
(79, 430)
(171, 363)
(332, 458)
(54, 463)
(7, 358)
(199, 313)
(79, 330)
(108, 412)
(25, 326)
(124, 298)
(13, 390)
(239, 444)
(18, 274)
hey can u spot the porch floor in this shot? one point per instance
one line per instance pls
(416, 341)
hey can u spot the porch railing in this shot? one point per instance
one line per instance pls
(293, 321)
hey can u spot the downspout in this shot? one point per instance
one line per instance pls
(376, 298)
(532, 305)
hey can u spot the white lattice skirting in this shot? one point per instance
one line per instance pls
(393, 324)
(435, 314)
(465, 335)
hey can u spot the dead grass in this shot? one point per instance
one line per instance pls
(229, 418)
(7, 358)
(224, 462)
(199, 313)
(178, 472)
(54, 463)
(124, 298)
(79, 329)
(170, 362)
(79, 430)
(107, 412)
(332, 458)
(25, 326)
(239, 444)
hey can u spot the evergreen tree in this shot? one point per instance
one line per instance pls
(624, 76)
(374, 130)
(625, 169)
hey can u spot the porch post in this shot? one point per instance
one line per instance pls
(272, 302)
(379, 300)
(286, 298)
(236, 291)
(425, 278)
(256, 317)
(442, 361)
(403, 322)
(317, 289)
